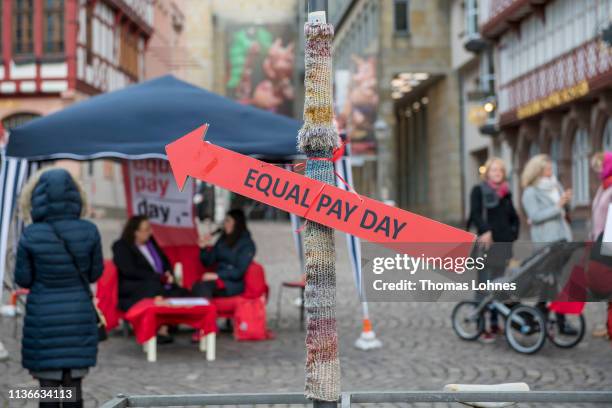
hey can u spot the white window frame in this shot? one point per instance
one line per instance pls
(555, 155)
(408, 28)
(471, 19)
(581, 149)
(534, 149)
(606, 139)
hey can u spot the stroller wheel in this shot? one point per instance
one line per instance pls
(468, 324)
(566, 330)
(526, 329)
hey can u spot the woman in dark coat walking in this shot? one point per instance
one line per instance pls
(231, 255)
(60, 334)
(497, 224)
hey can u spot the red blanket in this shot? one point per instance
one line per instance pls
(147, 317)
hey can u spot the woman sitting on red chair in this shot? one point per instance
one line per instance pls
(230, 256)
(144, 269)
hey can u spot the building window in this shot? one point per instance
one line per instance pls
(487, 72)
(607, 136)
(18, 119)
(23, 23)
(555, 155)
(581, 148)
(129, 51)
(471, 19)
(534, 149)
(89, 20)
(401, 17)
(53, 26)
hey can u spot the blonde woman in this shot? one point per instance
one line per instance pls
(58, 256)
(497, 225)
(545, 202)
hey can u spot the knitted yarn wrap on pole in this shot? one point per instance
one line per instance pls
(317, 139)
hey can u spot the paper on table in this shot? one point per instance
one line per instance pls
(606, 245)
(187, 301)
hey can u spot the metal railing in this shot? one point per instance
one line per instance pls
(349, 398)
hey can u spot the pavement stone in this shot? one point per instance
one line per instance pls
(420, 350)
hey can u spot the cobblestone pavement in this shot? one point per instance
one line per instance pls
(420, 350)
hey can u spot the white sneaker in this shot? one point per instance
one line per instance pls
(3, 352)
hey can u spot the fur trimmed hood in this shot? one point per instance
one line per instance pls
(52, 194)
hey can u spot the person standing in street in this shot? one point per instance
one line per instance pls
(59, 255)
(545, 202)
(546, 205)
(602, 164)
(497, 225)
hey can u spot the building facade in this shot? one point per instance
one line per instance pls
(210, 25)
(58, 51)
(473, 61)
(396, 55)
(554, 74)
(165, 50)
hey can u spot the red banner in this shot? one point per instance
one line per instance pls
(149, 191)
(316, 201)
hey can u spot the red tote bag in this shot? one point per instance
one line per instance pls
(250, 320)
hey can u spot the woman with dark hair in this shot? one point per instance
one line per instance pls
(231, 256)
(144, 269)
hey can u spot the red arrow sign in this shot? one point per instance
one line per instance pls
(322, 203)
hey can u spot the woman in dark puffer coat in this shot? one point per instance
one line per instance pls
(231, 256)
(60, 336)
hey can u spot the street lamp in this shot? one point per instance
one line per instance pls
(489, 126)
(489, 107)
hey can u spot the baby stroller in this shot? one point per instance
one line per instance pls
(527, 327)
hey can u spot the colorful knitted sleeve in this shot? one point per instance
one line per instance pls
(317, 139)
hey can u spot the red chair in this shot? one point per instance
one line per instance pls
(254, 286)
(301, 285)
(107, 295)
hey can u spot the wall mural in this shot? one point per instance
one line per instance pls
(357, 103)
(261, 60)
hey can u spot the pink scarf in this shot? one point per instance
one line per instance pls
(606, 170)
(502, 189)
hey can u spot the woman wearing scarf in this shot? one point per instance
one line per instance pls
(495, 218)
(602, 164)
(144, 270)
(545, 202)
(546, 205)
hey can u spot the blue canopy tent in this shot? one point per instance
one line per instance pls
(137, 122)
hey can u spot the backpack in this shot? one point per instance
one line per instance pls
(250, 319)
